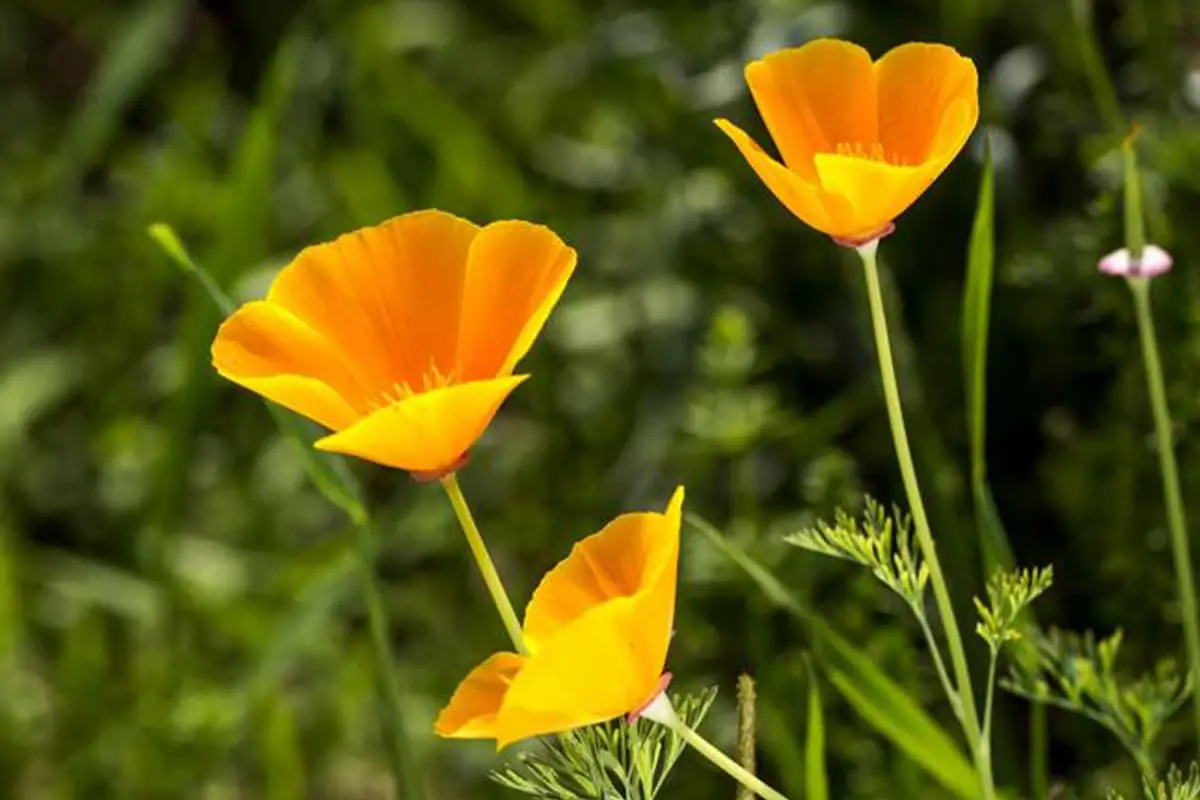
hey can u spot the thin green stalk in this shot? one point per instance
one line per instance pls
(483, 560)
(1176, 520)
(935, 651)
(990, 694)
(980, 749)
(395, 741)
(663, 713)
(1039, 768)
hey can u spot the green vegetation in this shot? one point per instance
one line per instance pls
(181, 612)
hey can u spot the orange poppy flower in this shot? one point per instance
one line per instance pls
(401, 338)
(597, 631)
(861, 140)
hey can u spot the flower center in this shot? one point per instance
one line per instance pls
(432, 378)
(868, 151)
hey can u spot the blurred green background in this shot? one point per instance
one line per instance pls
(178, 611)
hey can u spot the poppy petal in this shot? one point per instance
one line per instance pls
(585, 674)
(425, 432)
(628, 556)
(877, 191)
(471, 712)
(516, 271)
(271, 352)
(919, 84)
(814, 206)
(389, 294)
(814, 98)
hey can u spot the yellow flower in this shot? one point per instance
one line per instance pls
(861, 141)
(401, 338)
(597, 631)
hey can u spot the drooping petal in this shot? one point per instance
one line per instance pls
(585, 674)
(814, 98)
(516, 271)
(390, 295)
(928, 102)
(471, 712)
(628, 556)
(427, 432)
(814, 206)
(878, 192)
(270, 351)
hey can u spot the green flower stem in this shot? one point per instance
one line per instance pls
(484, 561)
(662, 712)
(939, 664)
(980, 749)
(993, 660)
(1170, 478)
(396, 742)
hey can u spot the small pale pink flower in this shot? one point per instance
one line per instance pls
(1154, 261)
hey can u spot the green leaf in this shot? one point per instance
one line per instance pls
(977, 301)
(878, 699)
(816, 782)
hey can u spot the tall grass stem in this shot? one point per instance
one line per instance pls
(396, 744)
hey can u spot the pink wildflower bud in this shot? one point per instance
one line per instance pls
(1154, 261)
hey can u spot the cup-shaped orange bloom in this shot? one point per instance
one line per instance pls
(596, 629)
(401, 338)
(861, 140)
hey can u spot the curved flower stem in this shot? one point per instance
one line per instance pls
(662, 712)
(1170, 478)
(980, 749)
(484, 561)
(395, 740)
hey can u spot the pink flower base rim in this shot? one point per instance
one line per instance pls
(429, 476)
(855, 244)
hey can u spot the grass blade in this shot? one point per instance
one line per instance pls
(878, 699)
(816, 782)
(997, 550)
(977, 301)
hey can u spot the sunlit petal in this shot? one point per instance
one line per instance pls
(814, 98)
(516, 271)
(471, 713)
(427, 432)
(388, 294)
(270, 351)
(919, 87)
(878, 192)
(631, 555)
(819, 209)
(585, 674)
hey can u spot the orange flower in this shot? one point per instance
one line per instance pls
(597, 631)
(862, 141)
(401, 338)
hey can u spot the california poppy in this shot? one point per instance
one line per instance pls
(596, 630)
(401, 338)
(861, 140)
